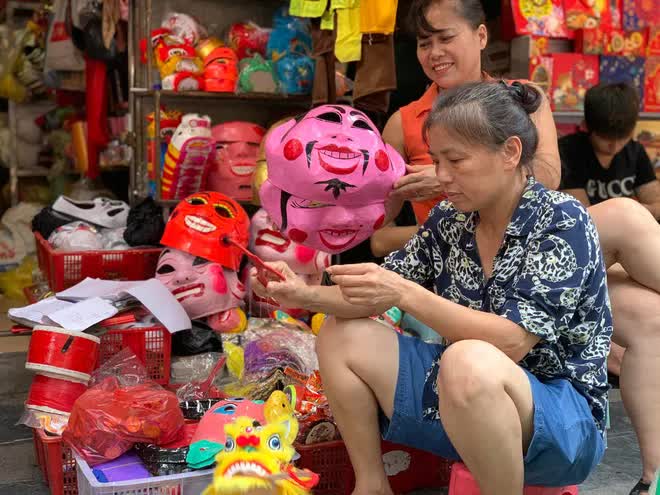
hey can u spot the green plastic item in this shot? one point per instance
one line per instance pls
(202, 454)
(257, 76)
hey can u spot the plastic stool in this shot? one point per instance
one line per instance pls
(461, 482)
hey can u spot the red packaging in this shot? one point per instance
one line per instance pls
(638, 14)
(611, 18)
(572, 75)
(631, 43)
(652, 85)
(537, 17)
(579, 14)
(590, 41)
(540, 73)
(653, 45)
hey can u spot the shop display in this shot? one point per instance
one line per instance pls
(572, 75)
(295, 74)
(631, 43)
(186, 159)
(233, 161)
(204, 223)
(247, 39)
(652, 85)
(581, 14)
(647, 132)
(221, 70)
(258, 458)
(653, 48)
(290, 35)
(538, 17)
(624, 69)
(639, 14)
(345, 171)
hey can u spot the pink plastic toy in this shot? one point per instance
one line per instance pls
(331, 169)
(462, 483)
(235, 158)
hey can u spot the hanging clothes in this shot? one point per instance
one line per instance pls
(308, 8)
(378, 16)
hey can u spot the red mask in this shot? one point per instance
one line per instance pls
(221, 70)
(200, 223)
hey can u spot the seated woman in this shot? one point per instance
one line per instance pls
(512, 275)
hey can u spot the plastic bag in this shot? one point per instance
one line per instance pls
(187, 369)
(122, 407)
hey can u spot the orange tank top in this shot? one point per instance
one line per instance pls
(413, 117)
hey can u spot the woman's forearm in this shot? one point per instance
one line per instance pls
(329, 300)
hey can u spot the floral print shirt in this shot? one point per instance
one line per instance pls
(548, 277)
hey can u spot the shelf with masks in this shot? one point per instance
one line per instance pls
(274, 98)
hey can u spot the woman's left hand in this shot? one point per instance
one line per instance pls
(367, 284)
(420, 184)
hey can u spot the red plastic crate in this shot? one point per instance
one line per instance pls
(65, 269)
(59, 464)
(40, 454)
(152, 346)
(408, 469)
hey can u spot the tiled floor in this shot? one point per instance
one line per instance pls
(617, 474)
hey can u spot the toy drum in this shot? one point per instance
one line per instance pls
(63, 353)
(53, 395)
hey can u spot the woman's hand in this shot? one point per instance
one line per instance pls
(367, 284)
(420, 184)
(292, 292)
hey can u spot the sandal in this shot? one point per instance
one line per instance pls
(640, 487)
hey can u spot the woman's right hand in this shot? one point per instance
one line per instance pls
(293, 292)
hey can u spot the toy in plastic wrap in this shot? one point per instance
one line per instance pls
(290, 35)
(186, 157)
(257, 458)
(295, 74)
(169, 121)
(329, 174)
(221, 70)
(257, 76)
(209, 438)
(202, 287)
(267, 242)
(184, 27)
(179, 66)
(248, 39)
(209, 225)
(234, 159)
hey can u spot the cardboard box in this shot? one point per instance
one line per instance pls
(647, 132)
(631, 43)
(629, 70)
(572, 75)
(521, 17)
(525, 49)
(652, 85)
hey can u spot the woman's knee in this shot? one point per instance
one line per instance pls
(339, 338)
(620, 215)
(470, 370)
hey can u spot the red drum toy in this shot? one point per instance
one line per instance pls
(53, 395)
(63, 353)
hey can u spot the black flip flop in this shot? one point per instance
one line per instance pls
(640, 487)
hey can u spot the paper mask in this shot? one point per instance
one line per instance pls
(329, 175)
(248, 39)
(234, 160)
(334, 154)
(221, 70)
(257, 75)
(202, 287)
(330, 227)
(200, 223)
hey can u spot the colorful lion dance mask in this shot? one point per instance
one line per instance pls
(329, 175)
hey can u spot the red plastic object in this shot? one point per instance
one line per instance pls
(65, 269)
(462, 483)
(57, 463)
(152, 346)
(408, 469)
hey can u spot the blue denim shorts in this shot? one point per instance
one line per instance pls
(566, 445)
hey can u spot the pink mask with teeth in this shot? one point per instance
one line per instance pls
(329, 175)
(235, 158)
(202, 287)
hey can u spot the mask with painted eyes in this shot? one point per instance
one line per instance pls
(202, 287)
(234, 159)
(201, 224)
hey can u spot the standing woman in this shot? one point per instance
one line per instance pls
(450, 37)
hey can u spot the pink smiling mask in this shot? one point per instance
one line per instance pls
(335, 155)
(329, 175)
(202, 287)
(234, 159)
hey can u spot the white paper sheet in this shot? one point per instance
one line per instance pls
(35, 314)
(162, 304)
(85, 314)
(94, 287)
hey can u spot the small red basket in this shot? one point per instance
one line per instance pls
(65, 269)
(57, 463)
(408, 469)
(152, 346)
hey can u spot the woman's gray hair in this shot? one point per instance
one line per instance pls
(489, 113)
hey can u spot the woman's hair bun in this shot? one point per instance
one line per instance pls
(526, 95)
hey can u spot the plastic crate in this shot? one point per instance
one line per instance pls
(408, 469)
(65, 269)
(177, 484)
(152, 346)
(40, 454)
(59, 464)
